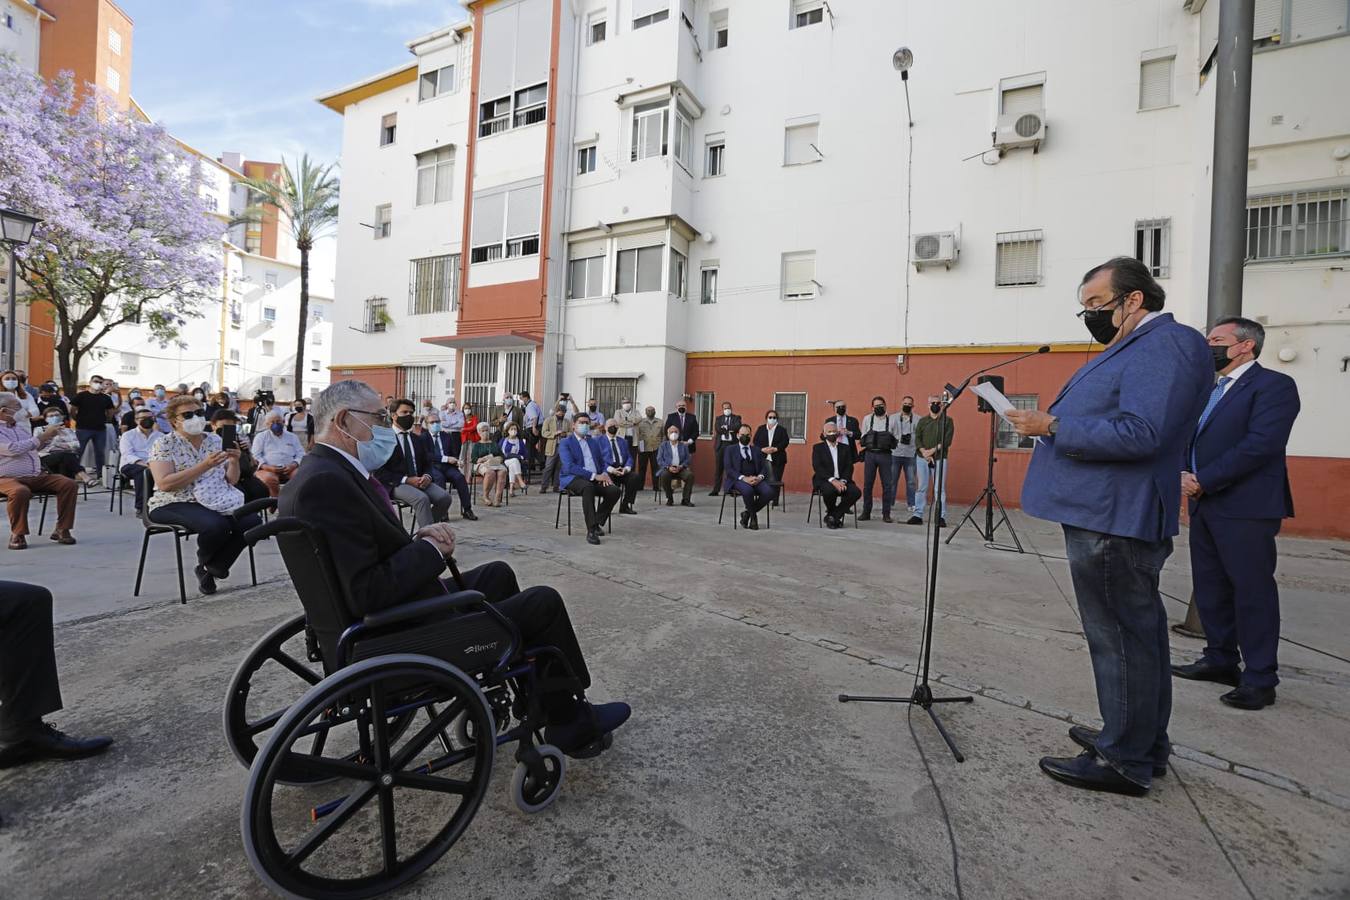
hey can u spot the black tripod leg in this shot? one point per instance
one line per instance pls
(1006, 521)
(969, 517)
(951, 745)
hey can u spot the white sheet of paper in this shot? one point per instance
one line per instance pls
(994, 397)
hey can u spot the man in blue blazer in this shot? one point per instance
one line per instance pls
(673, 461)
(1237, 483)
(747, 473)
(1105, 469)
(583, 475)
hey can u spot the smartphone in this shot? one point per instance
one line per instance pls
(229, 437)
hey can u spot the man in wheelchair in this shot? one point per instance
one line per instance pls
(382, 567)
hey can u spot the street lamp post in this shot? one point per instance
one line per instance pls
(16, 229)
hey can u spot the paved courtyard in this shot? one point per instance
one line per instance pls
(740, 774)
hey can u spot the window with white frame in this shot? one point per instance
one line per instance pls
(719, 25)
(1024, 94)
(314, 365)
(807, 12)
(1008, 438)
(586, 159)
(494, 116)
(683, 139)
(1155, 79)
(651, 130)
(384, 221)
(270, 283)
(115, 41)
(791, 409)
(704, 404)
(586, 277)
(1017, 258)
(799, 275)
(114, 80)
(388, 129)
(707, 292)
(435, 175)
(265, 383)
(436, 82)
(506, 221)
(269, 348)
(269, 314)
(234, 357)
(596, 27)
(433, 285)
(1299, 224)
(1153, 245)
(679, 273)
(714, 162)
(651, 18)
(1281, 22)
(130, 364)
(377, 314)
(639, 270)
(531, 105)
(800, 140)
(316, 338)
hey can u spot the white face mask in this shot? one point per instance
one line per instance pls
(674, 436)
(55, 420)
(627, 406)
(10, 383)
(771, 420)
(194, 425)
(96, 388)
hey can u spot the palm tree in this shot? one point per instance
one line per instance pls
(307, 199)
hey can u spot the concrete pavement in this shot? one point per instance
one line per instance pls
(740, 774)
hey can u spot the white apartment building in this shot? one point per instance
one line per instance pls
(722, 198)
(21, 31)
(402, 218)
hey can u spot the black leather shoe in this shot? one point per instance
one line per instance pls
(887, 519)
(1087, 739)
(48, 743)
(914, 520)
(686, 503)
(865, 517)
(216, 571)
(714, 493)
(1086, 771)
(1248, 697)
(1203, 671)
(205, 580)
(942, 523)
(754, 523)
(745, 520)
(590, 733)
(469, 514)
(592, 538)
(627, 510)
(670, 501)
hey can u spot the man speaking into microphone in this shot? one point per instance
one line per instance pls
(1106, 469)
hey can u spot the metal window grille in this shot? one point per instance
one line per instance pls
(596, 33)
(480, 380)
(1153, 245)
(1018, 258)
(265, 383)
(494, 116)
(531, 105)
(434, 286)
(791, 408)
(1299, 225)
(1008, 438)
(413, 382)
(526, 246)
(377, 309)
(609, 393)
(704, 404)
(487, 254)
(651, 19)
(518, 366)
(269, 313)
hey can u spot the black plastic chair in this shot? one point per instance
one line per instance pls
(558, 518)
(820, 510)
(182, 532)
(37, 495)
(736, 517)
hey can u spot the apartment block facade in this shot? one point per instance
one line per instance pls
(661, 196)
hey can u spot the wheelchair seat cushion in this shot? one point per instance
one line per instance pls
(472, 641)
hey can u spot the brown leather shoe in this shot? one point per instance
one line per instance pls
(18, 542)
(63, 537)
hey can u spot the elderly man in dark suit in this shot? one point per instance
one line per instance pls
(379, 565)
(832, 475)
(1237, 483)
(686, 422)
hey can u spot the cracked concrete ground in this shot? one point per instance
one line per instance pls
(740, 774)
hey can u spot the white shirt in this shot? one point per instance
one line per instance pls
(277, 449)
(768, 431)
(355, 463)
(1234, 375)
(135, 445)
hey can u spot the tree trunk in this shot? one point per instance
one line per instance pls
(68, 362)
(304, 321)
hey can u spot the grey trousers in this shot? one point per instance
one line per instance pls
(430, 504)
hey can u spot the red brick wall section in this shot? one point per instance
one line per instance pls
(382, 378)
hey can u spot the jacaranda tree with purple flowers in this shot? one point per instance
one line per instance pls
(125, 235)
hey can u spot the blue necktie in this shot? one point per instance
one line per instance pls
(1214, 397)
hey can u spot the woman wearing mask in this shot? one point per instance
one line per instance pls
(513, 451)
(9, 382)
(487, 462)
(772, 440)
(300, 422)
(61, 455)
(469, 433)
(195, 486)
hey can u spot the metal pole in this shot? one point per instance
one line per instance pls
(1232, 118)
(12, 322)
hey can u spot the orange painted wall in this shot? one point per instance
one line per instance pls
(382, 378)
(270, 225)
(1321, 486)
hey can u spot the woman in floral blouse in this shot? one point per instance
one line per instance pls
(195, 486)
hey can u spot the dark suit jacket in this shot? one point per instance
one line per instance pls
(725, 430)
(690, 430)
(780, 440)
(822, 467)
(1240, 451)
(448, 443)
(377, 563)
(392, 473)
(851, 425)
(736, 465)
(625, 458)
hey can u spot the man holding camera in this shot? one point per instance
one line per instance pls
(880, 436)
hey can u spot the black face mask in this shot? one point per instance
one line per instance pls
(832, 437)
(879, 410)
(1221, 360)
(613, 429)
(680, 409)
(907, 409)
(404, 422)
(744, 439)
(840, 410)
(591, 407)
(147, 424)
(935, 408)
(1099, 324)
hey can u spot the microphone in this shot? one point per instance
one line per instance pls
(956, 392)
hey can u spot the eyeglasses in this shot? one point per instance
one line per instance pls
(192, 414)
(381, 416)
(1116, 298)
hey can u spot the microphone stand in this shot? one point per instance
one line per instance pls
(922, 696)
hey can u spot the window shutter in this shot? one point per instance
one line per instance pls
(647, 7)
(1018, 260)
(799, 141)
(523, 209)
(1155, 83)
(489, 216)
(1310, 19)
(426, 185)
(1267, 20)
(1023, 100)
(644, 239)
(798, 273)
(496, 53)
(534, 38)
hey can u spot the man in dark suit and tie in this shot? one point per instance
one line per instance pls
(446, 445)
(832, 475)
(380, 566)
(583, 475)
(747, 473)
(1237, 485)
(687, 423)
(724, 436)
(619, 465)
(847, 425)
(407, 474)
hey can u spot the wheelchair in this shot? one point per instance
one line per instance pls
(368, 758)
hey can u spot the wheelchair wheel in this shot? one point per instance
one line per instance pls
(272, 676)
(384, 816)
(534, 793)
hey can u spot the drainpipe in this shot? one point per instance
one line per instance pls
(566, 223)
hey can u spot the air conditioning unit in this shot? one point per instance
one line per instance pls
(936, 248)
(1024, 129)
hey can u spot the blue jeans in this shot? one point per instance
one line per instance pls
(904, 464)
(1116, 582)
(100, 438)
(928, 474)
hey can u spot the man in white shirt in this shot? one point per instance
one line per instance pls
(277, 452)
(832, 475)
(134, 449)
